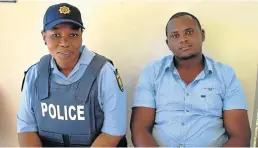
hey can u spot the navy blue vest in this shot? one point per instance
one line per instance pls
(68, 115)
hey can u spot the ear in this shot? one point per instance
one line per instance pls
(203, 35)
(43, 33)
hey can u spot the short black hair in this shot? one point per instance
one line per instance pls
(178, 14)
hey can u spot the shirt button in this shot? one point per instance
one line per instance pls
(187, 110)
(183, 124)
(187, 94)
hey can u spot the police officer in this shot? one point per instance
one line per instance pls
(188, 99)
(73, 96)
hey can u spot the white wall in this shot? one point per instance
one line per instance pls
(131, 34)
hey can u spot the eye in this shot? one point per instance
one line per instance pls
(74, 35)
(175, 36)
(189, 32)
(55, 35)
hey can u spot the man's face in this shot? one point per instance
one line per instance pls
(64, 42)
(184, 37)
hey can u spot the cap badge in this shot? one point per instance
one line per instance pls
(64, 10)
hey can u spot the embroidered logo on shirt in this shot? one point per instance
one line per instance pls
(209, 89)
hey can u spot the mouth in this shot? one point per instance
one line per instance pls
(186, 47)
(64, 53)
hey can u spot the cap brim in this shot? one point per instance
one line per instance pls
(60, 21)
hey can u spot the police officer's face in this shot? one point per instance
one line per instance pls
(64, 42)
(184, 37)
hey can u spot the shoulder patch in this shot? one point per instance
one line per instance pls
(119, 80)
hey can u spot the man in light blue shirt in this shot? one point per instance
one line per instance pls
(69, 64)
(187, 99)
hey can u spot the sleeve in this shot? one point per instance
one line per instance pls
(234, 97)
(112, 99)
(25, 117)
(145, 91)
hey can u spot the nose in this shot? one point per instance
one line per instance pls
(64, 42)
(183, 39)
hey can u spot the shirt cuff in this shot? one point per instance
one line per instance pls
(113, 131)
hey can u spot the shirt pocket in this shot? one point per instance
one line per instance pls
(80, 140)
(56, 139)
(51, 138)
(211, 97)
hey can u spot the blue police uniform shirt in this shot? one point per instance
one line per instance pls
(189, 115)
(111, 99)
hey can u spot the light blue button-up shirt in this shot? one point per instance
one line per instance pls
(111, 99)
(189, 115)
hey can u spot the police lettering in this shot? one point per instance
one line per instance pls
(70, 112)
